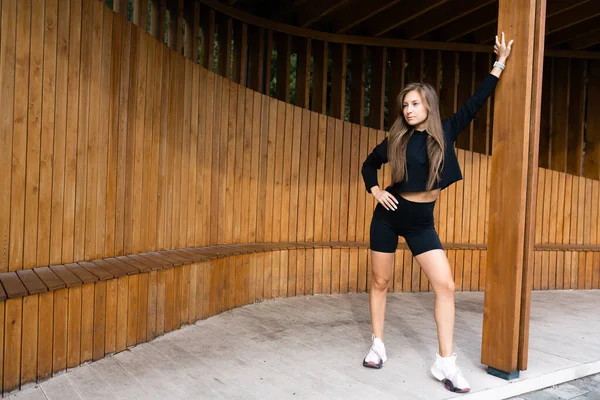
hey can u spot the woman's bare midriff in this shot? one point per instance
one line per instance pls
(422, 197)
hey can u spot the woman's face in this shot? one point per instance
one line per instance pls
(415, 112)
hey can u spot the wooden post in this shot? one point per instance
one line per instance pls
(357, 105)
(512, 192)
(303, 72)
(338, 80)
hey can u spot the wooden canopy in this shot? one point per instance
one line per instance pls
(570, 24)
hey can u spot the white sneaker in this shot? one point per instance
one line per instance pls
(376, 356)
(444, 369)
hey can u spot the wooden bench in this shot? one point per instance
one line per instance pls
(60, 316)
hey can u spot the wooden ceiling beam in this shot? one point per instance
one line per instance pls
(309, 14)
(471, 22)
(572, 32)
(358, 11)
(585, 41)
(556, 10)
(572, 16)
(398, 15)
(437, 18)
(558, 6)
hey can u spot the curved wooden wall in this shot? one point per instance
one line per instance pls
(118, 145)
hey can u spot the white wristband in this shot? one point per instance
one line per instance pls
(499, 65)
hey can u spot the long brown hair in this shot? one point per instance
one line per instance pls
(401, 132)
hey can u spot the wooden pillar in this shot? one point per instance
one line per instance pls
(357, 105)
(512, 191)
(256, 58)
(189, 30)
(207, 21)
(338, 80)
(397, 62)
(283, 45)
(120, 7)
(378, 67)
(240, 52)
(303, 72)
(319, 94)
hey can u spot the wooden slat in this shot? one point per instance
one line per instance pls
(99, 324)
(132, 310)
(128, 269)
(152, 305)
(74, 327)
(113, 270)
(194, 159)
(122, 306)
(184, 141)
(100, 273)
(12, 344)
(59, 149)
(129, 152)
(142, 329)
(7, 84)
(47, 133)
(136, 199)
(31, 281)
(29, 331)
(50, 279)
(82, 132)
(200, 213)
(131, 261)
(111, 316)
(81, 273)
(12, 285)
(59, 329)
(244, 230)
(145, 263)
(150, 143)
(87, 321)
(45, 337)
(122, 126)
(34, 137)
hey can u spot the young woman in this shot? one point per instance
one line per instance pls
(420, 149)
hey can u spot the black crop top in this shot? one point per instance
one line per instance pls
(417, 161)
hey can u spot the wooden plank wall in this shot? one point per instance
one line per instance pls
(122, 145)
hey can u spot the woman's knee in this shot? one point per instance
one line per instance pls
(380, 283)
(445, 288)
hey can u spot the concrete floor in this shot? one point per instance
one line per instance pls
(312, 347)
(587, 388)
